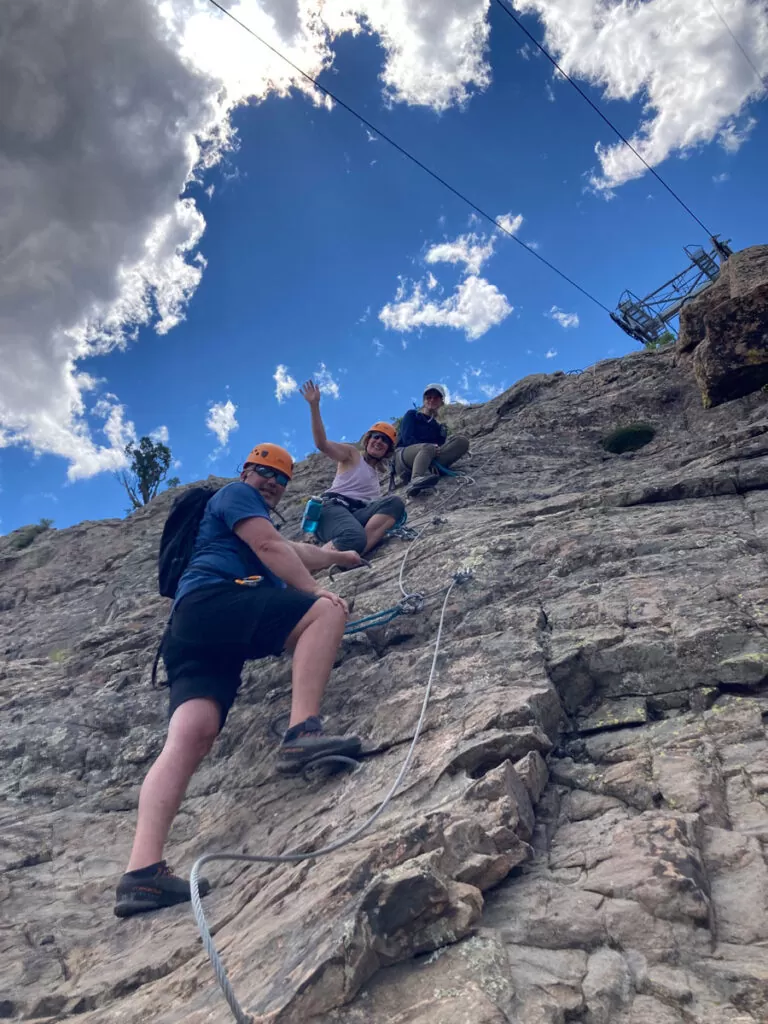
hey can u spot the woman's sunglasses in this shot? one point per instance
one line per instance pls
(272, 474)
(376, 436)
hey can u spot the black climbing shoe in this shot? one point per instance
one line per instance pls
(421, 483)
(152, 888)
(304, 742)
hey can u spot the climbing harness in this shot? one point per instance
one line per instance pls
(296, 857)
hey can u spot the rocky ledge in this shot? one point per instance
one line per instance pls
(583, 834)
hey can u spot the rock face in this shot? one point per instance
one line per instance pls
(726, 329)
(583, 834)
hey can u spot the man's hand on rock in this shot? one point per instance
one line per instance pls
(348, 559)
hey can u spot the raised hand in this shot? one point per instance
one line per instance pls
(311, 392)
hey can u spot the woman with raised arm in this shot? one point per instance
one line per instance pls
(355, 516)
(423, 445)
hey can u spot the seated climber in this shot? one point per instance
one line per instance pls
(246, 593)
(422, 444)
(355, 516)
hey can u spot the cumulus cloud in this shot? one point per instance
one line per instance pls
(324, 380)
(550, 353)
(434, 52)
(111, 109)
(511, 223)
(674, 56)
(733, 136)
(492, 390)
(475, 307)
(221, 420)
(471, 250)
(160, 434)
(564, 319)
(476, 383)
(285, 384)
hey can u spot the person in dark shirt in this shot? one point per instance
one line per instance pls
(423, 440)
(246, 593)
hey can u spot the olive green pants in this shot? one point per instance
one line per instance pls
(416, 459)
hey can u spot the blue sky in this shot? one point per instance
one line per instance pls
(311, 226)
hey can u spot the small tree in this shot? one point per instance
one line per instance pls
(667, 338)
(148, 466)
(173, 482)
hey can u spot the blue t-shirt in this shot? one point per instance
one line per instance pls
(220, 556)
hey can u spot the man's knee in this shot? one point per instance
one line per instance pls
(392, 506)
(195, 726)
(350, 540)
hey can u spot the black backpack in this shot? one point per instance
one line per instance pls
(179, 535)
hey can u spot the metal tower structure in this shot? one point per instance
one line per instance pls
(649, 319)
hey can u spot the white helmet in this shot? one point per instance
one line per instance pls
(437, 387)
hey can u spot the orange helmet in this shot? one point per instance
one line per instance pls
(384, 428)
(272, 455)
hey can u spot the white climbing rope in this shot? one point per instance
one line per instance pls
(297, 857)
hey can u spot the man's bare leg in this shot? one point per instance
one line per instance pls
(191, 732)
(314, 642)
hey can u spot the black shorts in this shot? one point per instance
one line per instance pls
(215, 629)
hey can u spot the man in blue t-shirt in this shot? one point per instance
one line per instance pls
(246, 593)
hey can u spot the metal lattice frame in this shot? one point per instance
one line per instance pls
(647, 320)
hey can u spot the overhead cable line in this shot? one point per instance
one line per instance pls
(733, 36)
(409, 156)
(511, 14)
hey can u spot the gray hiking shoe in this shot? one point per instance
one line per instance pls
(153, 888)
(421, 483)
(304, 742)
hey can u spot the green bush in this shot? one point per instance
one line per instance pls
(24, 536)
(629, 438)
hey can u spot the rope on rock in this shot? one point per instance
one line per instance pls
(296, 857)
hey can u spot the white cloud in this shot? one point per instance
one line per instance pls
(117, 106)
(550, 353)
(221, 420)
(378, 346)
(434, 51)
(324, 380)
(718, 179)
(472, 250)
(672, 55)
(492, 390)
(431, 281)
(511, 223)
(475, 307)
(734, 135)
(285, 384)
(564, 319)
(549, 92)
(160, 434)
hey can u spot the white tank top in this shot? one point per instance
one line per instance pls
(361, 483)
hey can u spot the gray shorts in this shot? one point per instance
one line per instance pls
(346, 528)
